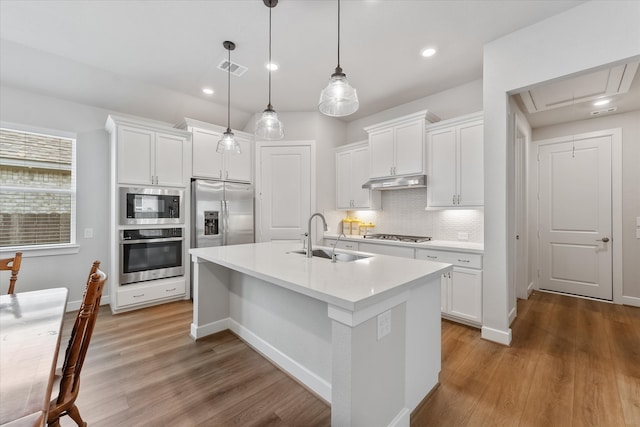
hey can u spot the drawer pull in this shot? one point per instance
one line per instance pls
(138, 296)
(432, 256)
(170, 290)
(463, 260)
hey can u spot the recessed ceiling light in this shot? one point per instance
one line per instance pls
(207, 91)
(272, 66)
(430, 51)
(601, 102)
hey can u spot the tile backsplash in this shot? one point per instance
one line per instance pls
(403, 212)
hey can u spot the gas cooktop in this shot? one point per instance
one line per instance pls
(398, 238)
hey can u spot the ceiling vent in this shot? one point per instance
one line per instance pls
(605, 111)
(235, 69)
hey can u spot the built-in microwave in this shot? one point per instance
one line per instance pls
(151, 206)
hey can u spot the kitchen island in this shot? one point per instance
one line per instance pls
(364, 335)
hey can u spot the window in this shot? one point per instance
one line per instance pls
(38, 191)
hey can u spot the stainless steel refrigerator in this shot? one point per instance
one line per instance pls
(221, 214)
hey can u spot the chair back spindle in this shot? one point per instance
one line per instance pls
(13, 265)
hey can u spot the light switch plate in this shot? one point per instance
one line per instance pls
(637, 233)
(384, 324)
(463, 236)
(638, 221)
(88, 233)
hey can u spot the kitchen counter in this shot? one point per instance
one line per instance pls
(320, 322)
(444, 245)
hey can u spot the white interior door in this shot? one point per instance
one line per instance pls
(575, 217)
(283, 192)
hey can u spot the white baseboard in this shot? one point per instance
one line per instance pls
(495, 335)
(634, 301)
(75, 305)
(208, 329)
(402, 419)
(512, 315)
(531, 288)
(318, 385)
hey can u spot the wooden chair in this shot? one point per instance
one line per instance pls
(13, 265)
(81, 333)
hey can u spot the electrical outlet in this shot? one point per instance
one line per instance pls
(384, 324)
(88, 233)
(637, 233)
(463, 236)
(638, 221)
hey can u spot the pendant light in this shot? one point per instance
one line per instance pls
(269, 127)
(339, 98)
(228, 143)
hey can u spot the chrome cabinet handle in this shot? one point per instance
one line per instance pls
(432, 256)
(604, 239)
(463, 260)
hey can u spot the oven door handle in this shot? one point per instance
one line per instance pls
(167, 239)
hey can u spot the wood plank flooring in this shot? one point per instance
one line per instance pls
(573, 362)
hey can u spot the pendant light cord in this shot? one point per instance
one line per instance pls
(338, 33)
(229, 91)
(270, 64)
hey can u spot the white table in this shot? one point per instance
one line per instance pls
(30, 326)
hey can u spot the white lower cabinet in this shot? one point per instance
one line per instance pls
(342, 244)
(461, 288)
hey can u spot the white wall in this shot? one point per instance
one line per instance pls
(562, 45)
(630, 124)
(450, 103)
(92, 149)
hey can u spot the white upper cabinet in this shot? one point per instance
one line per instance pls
(207, 163)
(147, 154)
(397, 145)
(352, 170)
(455, 159)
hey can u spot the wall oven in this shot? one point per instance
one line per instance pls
(150, 253)
(151, 206)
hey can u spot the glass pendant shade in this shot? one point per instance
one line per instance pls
(339, 98)
(269, 127)
(228, 143)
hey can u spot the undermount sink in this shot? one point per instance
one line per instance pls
(326, 253)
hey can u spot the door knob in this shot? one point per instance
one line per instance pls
(604, 239)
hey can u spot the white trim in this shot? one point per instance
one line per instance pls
(512, 315)
(495, 335)
(42, 250)
(616, 200)
(197, 332)
(634, 301)
(317, 384)
(402, 419)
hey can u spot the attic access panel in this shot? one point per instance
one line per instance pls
(608, 82)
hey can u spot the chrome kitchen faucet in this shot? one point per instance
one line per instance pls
(324, 222)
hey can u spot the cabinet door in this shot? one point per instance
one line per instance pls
(169, 160)
(470, 162)
(135, 156)
(360, 162)
(409, 141)
(466, 294)
(441, 181)
(445, 280)
(343, 180)
(237, 167)
(206, 162)
(382, 153)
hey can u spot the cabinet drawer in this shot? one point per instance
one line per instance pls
(459, 259)
(150, 292)
(401, 251)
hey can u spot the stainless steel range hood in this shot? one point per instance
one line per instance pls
(396, 182)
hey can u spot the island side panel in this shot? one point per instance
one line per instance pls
(423, 343)
(289, 328)
(210, 298)
(369, 373)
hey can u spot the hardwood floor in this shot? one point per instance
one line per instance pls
(573, 362)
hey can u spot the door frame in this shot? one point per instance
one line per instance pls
(258, 170)
(521, 270)
(616, 201)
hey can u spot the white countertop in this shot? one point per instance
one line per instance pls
(446, 245)
(349, 285)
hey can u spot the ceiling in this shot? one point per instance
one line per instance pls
(153, 57)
